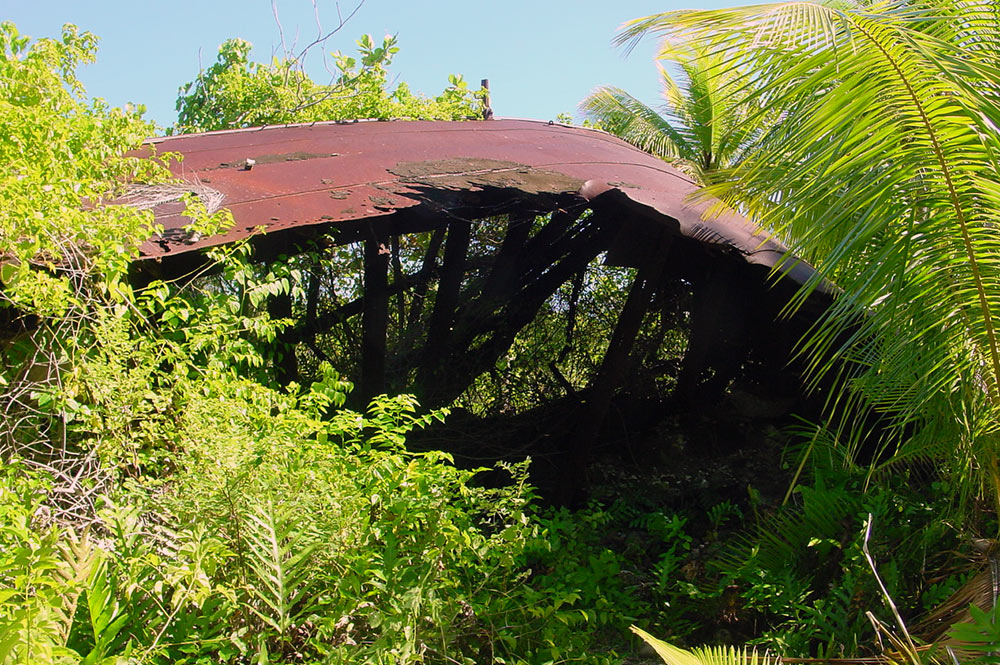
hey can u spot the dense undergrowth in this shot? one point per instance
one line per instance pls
(291, 538)
(163, 501)
(282, 535)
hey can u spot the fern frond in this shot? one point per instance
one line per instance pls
(279, 555)
(80, 558)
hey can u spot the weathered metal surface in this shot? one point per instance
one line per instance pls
(275, 178)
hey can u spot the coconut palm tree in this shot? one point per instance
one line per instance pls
(884, 173)
(701, 128)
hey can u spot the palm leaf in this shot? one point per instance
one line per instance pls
(701, 127)
(883, 174)
(623, 115)
(717, 655)
(980, 591)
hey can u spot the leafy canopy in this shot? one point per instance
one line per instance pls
(235, 92)
(62, 157)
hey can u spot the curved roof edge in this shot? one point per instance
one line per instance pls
(278, 177)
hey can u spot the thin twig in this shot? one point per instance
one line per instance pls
(281, 31)
(340, 25)
(914, 658)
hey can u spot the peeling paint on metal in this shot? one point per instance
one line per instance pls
(465, 173)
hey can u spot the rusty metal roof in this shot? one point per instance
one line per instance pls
(290, 176)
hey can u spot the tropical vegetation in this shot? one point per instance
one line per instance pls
(705, 124)
(882, 174)
(164, 498)
(165, 501)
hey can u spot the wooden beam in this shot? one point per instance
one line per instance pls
(374, 316)
(439, 328)
(321, 323)
(611, 374)
(506, 265)
(484, 331)
(429, 268)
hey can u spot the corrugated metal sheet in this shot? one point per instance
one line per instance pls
(280, 177)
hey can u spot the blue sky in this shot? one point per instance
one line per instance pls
(541, 57)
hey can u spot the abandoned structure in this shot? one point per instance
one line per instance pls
(439, 302)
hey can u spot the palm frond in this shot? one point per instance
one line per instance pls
(709, 655)
(980, 591)
(623, 115)
(883, 173)
(701, 127)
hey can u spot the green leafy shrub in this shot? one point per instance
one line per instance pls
(235, 92)
(35, 605)
(345, 546)
(309, 538)
(802, 580)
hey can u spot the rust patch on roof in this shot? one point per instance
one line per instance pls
(382, 201)
(292, 157)
(273, 159)
(468, 172)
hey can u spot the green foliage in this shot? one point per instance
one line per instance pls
(235, 92)
(802, 572)
(673, 655)
(981, 636)
(74, 362)
(330, 541)
(188, 511)
(705, 125)
(62, 158)
(278, 549)
(882, 173)
(577, 583)
(32, 627)
(401, 558)
(874, 158)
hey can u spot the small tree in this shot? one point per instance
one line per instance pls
(705, 125)
(235, 92)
